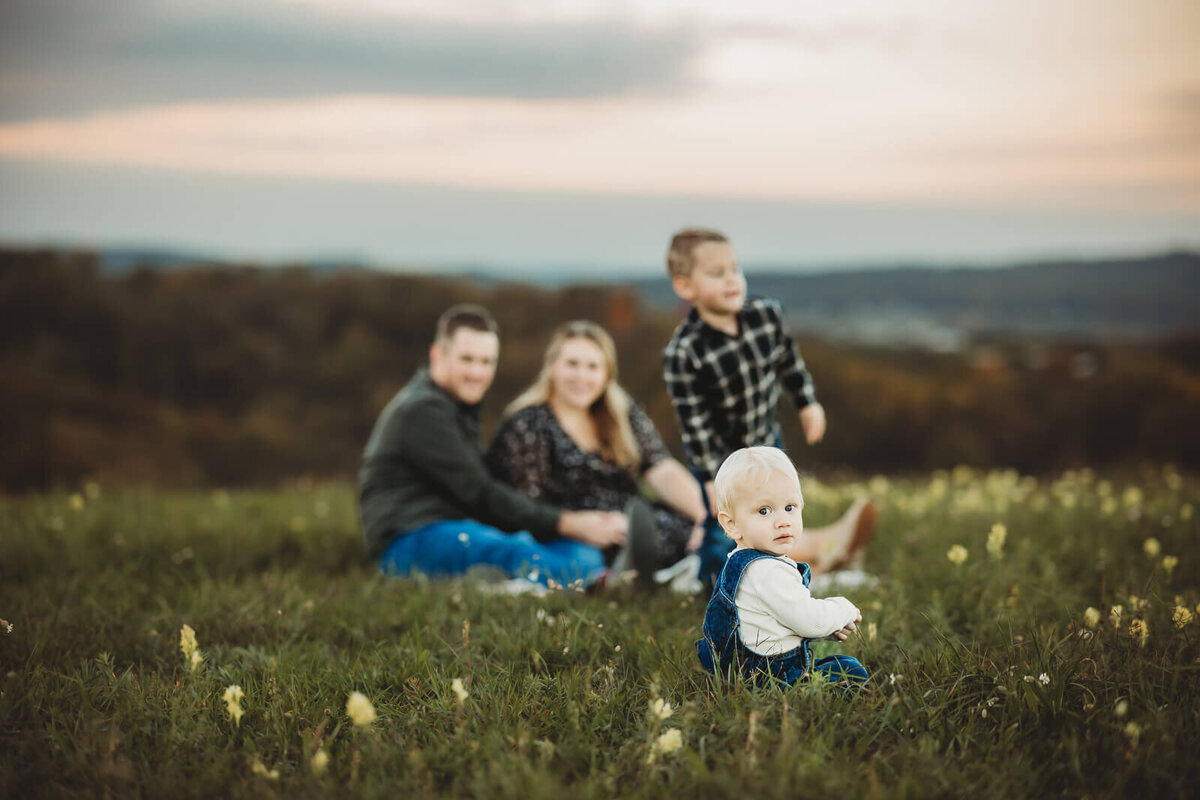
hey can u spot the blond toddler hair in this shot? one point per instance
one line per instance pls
(747, 465)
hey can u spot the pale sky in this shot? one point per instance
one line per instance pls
(545, 132)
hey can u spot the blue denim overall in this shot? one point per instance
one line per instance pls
(722, 647)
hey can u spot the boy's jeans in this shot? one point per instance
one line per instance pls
(451, 547)
(715, 547)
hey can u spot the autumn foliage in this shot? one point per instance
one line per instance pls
(248, 375)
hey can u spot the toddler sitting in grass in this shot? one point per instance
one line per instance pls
(761, 616)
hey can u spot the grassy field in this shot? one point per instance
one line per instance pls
(1060, 659)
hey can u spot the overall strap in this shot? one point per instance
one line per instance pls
(739, 560)
(805, 572)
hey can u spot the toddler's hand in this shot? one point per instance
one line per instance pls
(697, 538)
(844, 633)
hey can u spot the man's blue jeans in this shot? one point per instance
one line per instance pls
(451, 547)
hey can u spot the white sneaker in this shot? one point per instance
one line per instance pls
(682, 577)
(828, 582)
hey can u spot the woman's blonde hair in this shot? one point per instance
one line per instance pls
(610, 411)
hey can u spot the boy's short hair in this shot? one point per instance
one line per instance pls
(465, 315)
(680, 258)
(748, 464)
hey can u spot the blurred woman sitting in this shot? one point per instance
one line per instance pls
(576, 439)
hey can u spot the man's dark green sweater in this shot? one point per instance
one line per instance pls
(424, 463)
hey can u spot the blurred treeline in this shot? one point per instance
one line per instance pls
(245, 375)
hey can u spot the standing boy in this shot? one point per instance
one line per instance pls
(725, 367)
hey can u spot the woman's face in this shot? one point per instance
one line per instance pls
(578, 374)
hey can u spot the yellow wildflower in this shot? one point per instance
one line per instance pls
(1133, 731)
(1091, 617)
(1182, 616)
(1151, 547)
(670, 741)
(1185, 512)
(187, 640)
(1140, 629)
(1169, 563)
(1121, 708)
(259, 768)
(995, 540)
(1114, 615)
(233, 703)
(1133, 496)
(298, 524)
(76, 502)
(319, 763)
(1108, 506)
(1173, 479)
(460, 692)
(957, 554)
(189, 647)
(660, 709)
(360, 710)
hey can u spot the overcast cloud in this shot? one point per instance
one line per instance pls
(68, 57)
(1073, 124)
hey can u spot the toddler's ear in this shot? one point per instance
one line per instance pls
(728, 524)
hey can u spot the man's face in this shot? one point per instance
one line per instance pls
(465, 364)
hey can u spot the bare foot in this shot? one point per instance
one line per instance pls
(857, 527)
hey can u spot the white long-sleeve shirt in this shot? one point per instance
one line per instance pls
(777, 612)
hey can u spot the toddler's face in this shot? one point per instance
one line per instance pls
(767, 514)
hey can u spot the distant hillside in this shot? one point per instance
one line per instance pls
(931, 308)
(240, 375)
(1126, 298)
(121, 260)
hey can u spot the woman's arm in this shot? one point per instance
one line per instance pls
(669, 479)
(676, 487)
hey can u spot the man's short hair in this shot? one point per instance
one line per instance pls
(465, 315)
(750, 464)
(680, 255)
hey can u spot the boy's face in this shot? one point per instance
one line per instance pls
(767, 514)
(716, 284)
(465, 364)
